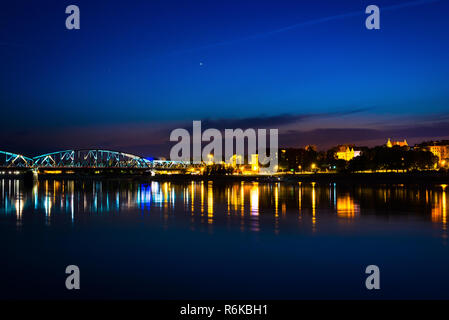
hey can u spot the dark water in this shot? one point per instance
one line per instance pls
(210, 240)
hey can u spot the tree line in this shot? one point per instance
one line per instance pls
(370, 159)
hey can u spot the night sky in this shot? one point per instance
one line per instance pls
(138, 69)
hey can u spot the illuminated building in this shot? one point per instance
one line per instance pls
(236, 160)
(255, 162)
(391, 144)
(346, 153)
(210, 159)
(442, 152)
(310, 147)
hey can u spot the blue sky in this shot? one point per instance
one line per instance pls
(137, 69)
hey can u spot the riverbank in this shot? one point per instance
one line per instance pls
(355, 178)
(424, 177)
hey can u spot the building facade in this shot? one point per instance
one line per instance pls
(391, 144)
(442, 152)
(346, 153)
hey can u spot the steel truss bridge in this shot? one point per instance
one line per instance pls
(12, 160)
(88, 159)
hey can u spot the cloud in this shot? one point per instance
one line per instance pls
(153, 140)
(433, 129)
(328, 137)
(253, 122)
(267, 122)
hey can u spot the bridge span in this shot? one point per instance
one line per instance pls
(86, 160)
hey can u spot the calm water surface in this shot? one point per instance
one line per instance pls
(211, 240)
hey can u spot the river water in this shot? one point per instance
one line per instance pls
(216, 240)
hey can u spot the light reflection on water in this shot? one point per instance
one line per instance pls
(208, 202)
(289, 235)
